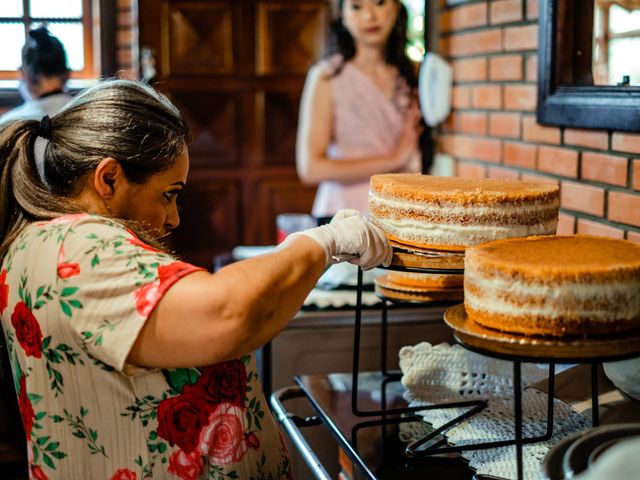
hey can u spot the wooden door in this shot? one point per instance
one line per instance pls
(236, 69)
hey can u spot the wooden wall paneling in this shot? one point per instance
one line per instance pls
(211, 220)
(280, 127)
(215, 120)
(290, 35)
(198, 37)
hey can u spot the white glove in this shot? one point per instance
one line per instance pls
(352, 238)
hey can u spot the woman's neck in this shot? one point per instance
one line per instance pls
(369, 57)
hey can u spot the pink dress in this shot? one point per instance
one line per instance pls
(366, 123)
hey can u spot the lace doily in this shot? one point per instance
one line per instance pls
(443, 373)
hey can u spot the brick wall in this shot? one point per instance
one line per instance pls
(492, 131)
(127, 52)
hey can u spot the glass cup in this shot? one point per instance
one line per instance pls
(288, 223)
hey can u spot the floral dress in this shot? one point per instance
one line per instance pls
(74, 294)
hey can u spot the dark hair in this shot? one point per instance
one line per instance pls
(122, 119)
(341, 41)
(44, 55)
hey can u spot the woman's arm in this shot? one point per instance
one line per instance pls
(209, 318)
(314, 138)
(204, 319)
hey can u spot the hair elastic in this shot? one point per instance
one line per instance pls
(44, 128)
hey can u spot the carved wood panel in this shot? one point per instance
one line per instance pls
(198, 37)
(290, 35)
(214, 120)
(280, 110)
(210, 219)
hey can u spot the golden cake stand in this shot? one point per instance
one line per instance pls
(572, 349)
(422, 259)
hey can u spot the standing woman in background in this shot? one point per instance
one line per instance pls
(359, 111)
(44, 76)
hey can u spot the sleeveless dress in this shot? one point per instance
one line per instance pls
(365, 123)
(74, 294)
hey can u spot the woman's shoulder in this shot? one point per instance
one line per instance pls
(330, 66)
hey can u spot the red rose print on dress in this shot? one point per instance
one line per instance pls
(186, 466)
(180, 420)
(124, 474)
(4, 291)
(136, 241)
(224, 382)
(28, 330)
(66, 270)
(37, 473)
(253, 441)
(148, 295)
(223, 440)
(26, 409)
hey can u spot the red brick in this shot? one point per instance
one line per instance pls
(520, 155)
(604, 168)
(503, 173)
(521, 38)
(461, 97)
(125, 57)
(589, 227)
(531, 68)
(125, 4)
(504, 11)
(566, 225)
(559, 161)
(626, 142)
(506, 67)
(533, 177)
(470, 170)
(582, 198)
(487, 96)
(636, 174)
(520, 97)
(466, 122)
(633, 236)
(587, 138)
(466, 16)
(125, 19)
(485, 41)
(472, 122)
(532, 132)
(624, 208)
(505, 125)
(474, 148)
(532, 9)
(124, 38)
(470, 69)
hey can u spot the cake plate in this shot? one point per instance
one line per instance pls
(520, 348)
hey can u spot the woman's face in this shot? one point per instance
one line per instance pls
(370, 22)
(153, 203)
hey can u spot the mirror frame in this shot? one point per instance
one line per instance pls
(594, 107)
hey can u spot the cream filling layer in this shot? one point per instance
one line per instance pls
(449, 208)
(468, 235)
(567, 298)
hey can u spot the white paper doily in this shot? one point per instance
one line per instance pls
(443, 373)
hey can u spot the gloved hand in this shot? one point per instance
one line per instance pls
(350, 237)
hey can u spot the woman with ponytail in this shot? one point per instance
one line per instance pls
(127, 362)
(359, 112)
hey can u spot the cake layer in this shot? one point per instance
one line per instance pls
(577, 285)
(425, 280)
(458, 212)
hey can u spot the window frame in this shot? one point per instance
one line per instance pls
(90, 69)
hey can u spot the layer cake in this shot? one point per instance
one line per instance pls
(450, 213)
(553, 285)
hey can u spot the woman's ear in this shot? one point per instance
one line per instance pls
(108, 178)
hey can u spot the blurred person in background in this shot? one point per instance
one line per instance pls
(359, 111)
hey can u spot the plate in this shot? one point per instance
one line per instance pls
(576, 458)
(602, 347)
(552, 463)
